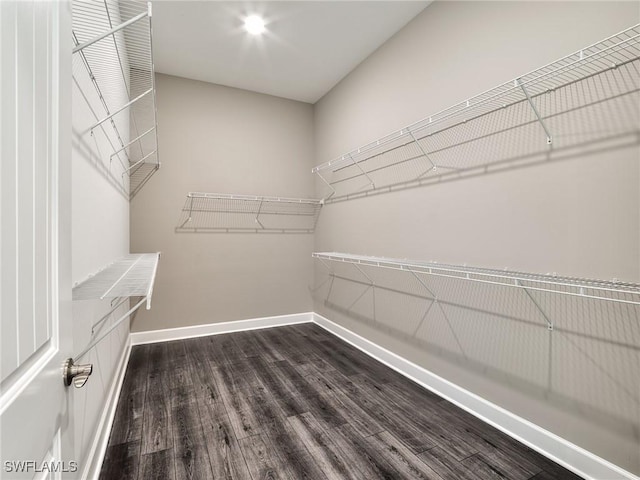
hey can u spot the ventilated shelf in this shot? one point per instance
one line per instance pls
(131, 276)
(610, 291)
(218, 212)
(113, 40)
(578, 101)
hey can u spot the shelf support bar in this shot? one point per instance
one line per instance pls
(139, 162)
(133, 141)
(128, 104)
(104, 103)
(190, 211)
(424, 317)
(424, 285)
(453, 332)
(333, 190)
(371, 286)
(113, 309)
(331, 276)
(518, 82)
(110, 32)
(544, 315)
(93, 343)
(362, 170)
(359, 297)
(424, 154)
(444, 314)
(434, 300)
(325, 265)
(371, 283)
(153, 281)
(258, 214)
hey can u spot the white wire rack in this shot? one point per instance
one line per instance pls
(113, 38)
(610, 291)
(583, 98)
(229, 213)
(131, 276)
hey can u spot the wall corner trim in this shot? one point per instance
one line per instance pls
(561, 451)
(93, 462)
(168, 334)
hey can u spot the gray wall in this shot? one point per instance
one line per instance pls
(578, 216)
(223, 140)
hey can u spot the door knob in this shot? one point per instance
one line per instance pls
(79, 374)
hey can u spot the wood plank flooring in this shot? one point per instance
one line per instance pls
(296, 403)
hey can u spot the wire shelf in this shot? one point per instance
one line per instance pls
(584, 98)
(113, 39)
(613, 291)
(230, 213)
(131, 276)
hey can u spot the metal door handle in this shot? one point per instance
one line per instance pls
(79, 374)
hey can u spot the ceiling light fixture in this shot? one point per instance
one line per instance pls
(254, 25)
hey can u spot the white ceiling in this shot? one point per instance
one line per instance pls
(309, 46)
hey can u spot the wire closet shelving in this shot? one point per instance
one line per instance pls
(584, 98)
(609, 291)
(113, 39)
(132, 276)
(230, 213)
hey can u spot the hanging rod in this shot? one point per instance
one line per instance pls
(583, 288)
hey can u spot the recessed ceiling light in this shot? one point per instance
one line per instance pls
(254, 24)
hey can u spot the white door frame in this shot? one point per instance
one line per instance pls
(35, 136)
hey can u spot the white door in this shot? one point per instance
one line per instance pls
(35, 260)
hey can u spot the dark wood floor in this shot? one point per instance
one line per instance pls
(296, 402)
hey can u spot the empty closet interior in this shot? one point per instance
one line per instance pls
(383, 239)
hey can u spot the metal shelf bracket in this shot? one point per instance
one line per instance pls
(518, 82)
(538, 307)
(424, 153)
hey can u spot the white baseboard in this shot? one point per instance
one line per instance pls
(561, 451)
(153, 336)
(98, 449)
